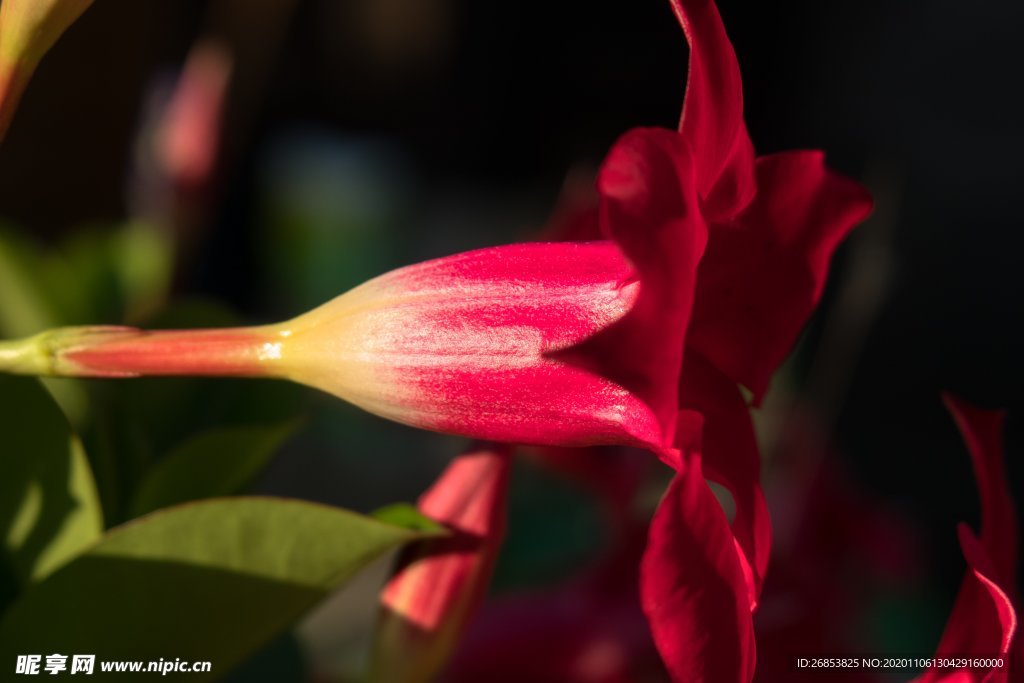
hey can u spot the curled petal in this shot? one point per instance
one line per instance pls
(712, 120)
(648, 205)
(693, 588)
(732, 459)
(427, 603)
(759, 284)
(983, 621)
(982, 431)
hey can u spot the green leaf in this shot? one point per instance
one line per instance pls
(49, 508)
(220, 462)
(214, 580)
(407, 517)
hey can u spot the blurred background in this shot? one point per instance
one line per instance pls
(336, 139)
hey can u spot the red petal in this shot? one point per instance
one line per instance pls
(712, 119)
(650, 208)
(428, 602)
(732, 458)
(692, 586)
(982, 431)
(759, 284)
(983, 621)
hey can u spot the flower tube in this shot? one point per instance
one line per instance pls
(465, 344)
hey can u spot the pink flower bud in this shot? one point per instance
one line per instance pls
(430, 599)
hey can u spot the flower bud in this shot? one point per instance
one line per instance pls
(430, 599)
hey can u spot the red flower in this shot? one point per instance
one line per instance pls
(571, 344)
(733, 253)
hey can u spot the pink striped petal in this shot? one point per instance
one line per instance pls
(469, 344)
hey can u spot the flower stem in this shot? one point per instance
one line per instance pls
(108, 351)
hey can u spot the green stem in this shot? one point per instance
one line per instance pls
(22, 357)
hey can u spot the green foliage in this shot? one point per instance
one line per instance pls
(107, 276)
(218, 462)
(24, 308)
(49, 508)
(407, 517)
(214, 580)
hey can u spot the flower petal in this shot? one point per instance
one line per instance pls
(692, 586)
(983, 621)
(732, 459)
(759, 284)
(468, 345)
(648, 205)
(712, 120)
(982, 431)
(428, 602)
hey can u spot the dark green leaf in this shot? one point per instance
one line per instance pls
(49, 509)
(24, 309)
(218, 462)
(214, 580)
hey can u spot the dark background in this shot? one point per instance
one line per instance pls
(453, 124)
